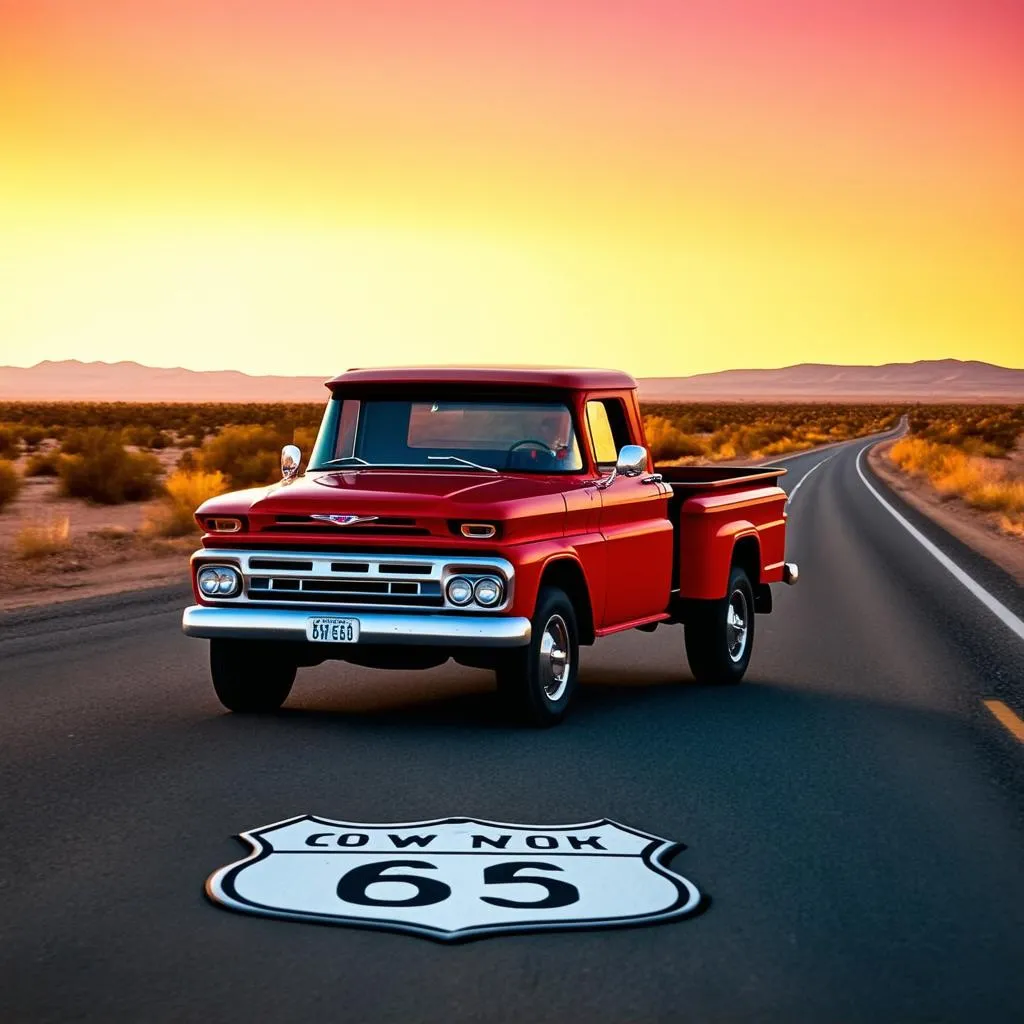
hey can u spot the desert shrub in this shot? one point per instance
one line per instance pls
(667, 441)
(1014, 527)
(145, 437)
(101, 470)
(9, 446)
(10, 483)
(32, 437)
(174, 516)
(784, 445)
(45, 538)
(188, 461)
(79, 441)
(246, 455)
(43, 464)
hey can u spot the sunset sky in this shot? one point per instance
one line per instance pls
(664, 186)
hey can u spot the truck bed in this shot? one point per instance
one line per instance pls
(706, 498)
(692, 480)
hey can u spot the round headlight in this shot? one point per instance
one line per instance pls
(460, 590)
(487, 591)
(219, 581)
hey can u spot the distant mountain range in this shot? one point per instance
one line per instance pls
(927, 380)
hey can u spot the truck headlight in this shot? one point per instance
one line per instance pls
(459, 590)
(488, 591)
(219, 581)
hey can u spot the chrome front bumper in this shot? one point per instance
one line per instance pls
(411, 628)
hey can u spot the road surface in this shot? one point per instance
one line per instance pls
(854, 809)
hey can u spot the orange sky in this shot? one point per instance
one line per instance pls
(667, 187)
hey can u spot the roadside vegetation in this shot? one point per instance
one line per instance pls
(48, 537)
(10, 483)
(150, 425)
(972, 453)
(694, 433)
(184, 492)
(96, 466)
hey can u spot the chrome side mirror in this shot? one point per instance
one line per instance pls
(632, 461)
(291, 457)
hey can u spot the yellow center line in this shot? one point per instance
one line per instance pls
(1006, 718)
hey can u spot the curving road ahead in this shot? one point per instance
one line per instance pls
(855, 809)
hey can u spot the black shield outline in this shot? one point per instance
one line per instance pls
(220, 888)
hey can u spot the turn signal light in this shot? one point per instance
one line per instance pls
(223, 525)
(478, 531)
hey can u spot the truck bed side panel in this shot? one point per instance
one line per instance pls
(709, 527)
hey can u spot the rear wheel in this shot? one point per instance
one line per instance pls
(720, 634)
(537, 681)
(250, 676)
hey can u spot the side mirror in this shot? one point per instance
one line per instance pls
(291, 457)
(632, 460)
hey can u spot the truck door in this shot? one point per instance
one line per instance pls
(634, 523)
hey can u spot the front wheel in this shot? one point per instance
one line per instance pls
(720, 634)
(250, 676)
(537, 681)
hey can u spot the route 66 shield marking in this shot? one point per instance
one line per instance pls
(456, 878)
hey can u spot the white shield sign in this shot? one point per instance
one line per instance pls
(456, 878)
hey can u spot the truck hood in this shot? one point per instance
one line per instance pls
(422, 500)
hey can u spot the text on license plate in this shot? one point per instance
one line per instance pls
(333, 631)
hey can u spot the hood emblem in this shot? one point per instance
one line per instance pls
(343, 520)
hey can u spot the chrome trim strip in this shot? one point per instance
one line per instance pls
(429, 630)
(442, 567)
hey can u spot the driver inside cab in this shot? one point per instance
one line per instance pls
(556, 433)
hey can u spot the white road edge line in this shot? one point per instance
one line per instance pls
(800, 482)
(996, 607)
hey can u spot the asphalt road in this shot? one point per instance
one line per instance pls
(854, 810)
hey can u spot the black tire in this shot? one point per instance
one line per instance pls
(250, 676)
(716, 652)
(530, 682)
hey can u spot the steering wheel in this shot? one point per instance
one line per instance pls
(529, 440)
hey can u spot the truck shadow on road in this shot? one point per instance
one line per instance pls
(466, 699)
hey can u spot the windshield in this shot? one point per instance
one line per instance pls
(466, 434)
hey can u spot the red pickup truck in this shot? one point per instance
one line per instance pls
(502, 517)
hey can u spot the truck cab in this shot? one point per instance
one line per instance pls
(503, 517)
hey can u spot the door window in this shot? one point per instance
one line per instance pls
(606, 421)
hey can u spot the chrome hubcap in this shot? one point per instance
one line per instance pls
(555, 660)
(736, 628)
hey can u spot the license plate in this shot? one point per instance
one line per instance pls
(333, 631)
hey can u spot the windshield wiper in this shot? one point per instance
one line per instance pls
(343, 460)
(461, 461)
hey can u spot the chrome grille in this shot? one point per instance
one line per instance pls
(389, 593)
(333, 579)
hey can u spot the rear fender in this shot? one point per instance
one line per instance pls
(711, 534)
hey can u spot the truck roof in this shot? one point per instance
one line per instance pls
(515, 376)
